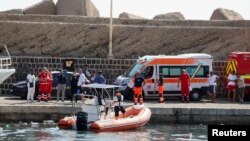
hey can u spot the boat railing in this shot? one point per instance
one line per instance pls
(110, 100)
(95, 95)
(84, 97)
(5, 62)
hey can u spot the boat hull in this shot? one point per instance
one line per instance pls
(67, 123)
(5, 73)
(134, 119)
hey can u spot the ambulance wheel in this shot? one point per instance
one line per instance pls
(195, 95)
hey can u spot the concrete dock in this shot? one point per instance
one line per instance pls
(13, 109)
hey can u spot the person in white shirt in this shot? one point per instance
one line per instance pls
(231, 85)
(31, 83)
(212, 79)
(241, 87)
(117, 102)
(81, 81)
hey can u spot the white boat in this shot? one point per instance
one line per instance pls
(90, 116)
(5, 71)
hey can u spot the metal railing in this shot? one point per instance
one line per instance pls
(83, 96)
(94, 95)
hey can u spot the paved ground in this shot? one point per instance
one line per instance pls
(171, 103)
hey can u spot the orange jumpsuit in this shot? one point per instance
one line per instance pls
(43, 85)
(161, 89)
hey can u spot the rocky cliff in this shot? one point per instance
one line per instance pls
(225, 14)
(73, 36)
(170, 16)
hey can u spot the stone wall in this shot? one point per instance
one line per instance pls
(111, 68)
(168, 113)
(76, 36)
(139, 22)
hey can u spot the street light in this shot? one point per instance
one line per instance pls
(110, 55)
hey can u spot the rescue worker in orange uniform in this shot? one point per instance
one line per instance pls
(139, 82)
(49, 86)
(185, 85)
(161, 88)
(42, 84)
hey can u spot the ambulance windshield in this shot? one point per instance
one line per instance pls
(132, 70)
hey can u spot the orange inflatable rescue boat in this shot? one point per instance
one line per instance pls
(134, 117)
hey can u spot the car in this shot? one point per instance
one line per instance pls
(20, 88)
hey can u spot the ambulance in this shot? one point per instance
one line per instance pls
(240, 63)
(198, 66)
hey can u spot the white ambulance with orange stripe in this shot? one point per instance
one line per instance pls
(197, 65)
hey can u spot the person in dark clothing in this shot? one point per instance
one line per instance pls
(139, 82)
(117, 102)
(61, 86)
(73, 81)
(86, 72)
(99, 79)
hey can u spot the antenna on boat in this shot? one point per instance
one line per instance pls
(6, 50)
(8, 60)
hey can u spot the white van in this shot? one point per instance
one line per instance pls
(196, 64)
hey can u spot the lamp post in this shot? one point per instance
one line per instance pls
(110, 55)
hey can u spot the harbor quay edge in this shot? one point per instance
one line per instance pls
(168, 113)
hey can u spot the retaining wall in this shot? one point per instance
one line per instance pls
(111, 68)
(160, 114)
(78, 36)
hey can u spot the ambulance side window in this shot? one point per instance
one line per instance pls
(174, 71)
(190, 70)
(164, 71)
(148, 72)
(170, 71)
(202, 72)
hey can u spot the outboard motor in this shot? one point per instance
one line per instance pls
(82, 121)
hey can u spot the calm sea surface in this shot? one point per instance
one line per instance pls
(150, 132)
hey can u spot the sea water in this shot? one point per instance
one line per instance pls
(150, 132)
